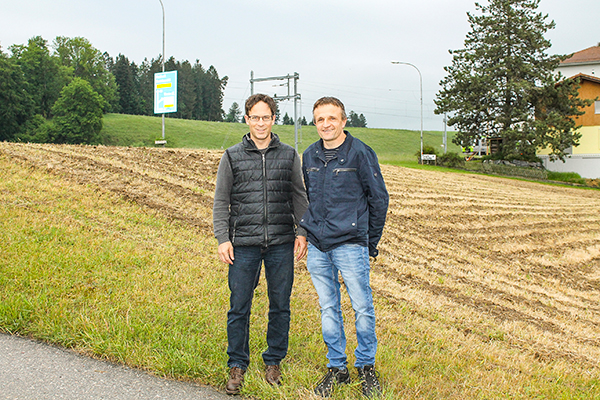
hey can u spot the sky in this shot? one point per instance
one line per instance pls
(340, 48)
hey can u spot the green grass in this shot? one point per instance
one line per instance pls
(393, 146)
(568, 177)
(98, 274)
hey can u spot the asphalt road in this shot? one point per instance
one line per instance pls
(33, 370)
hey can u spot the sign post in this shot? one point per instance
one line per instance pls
(165, 96)
(429, 157)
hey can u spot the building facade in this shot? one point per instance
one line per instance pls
(583, 159)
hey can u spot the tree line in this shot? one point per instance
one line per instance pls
(59, 94)
(236, 114)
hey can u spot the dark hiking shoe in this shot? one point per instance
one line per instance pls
(273, 375)
(236, 379)
(369, 379)
(334, 376)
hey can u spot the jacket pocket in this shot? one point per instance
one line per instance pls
(338, 170)
(345, 184)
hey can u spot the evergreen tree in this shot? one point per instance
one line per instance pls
(234, 114)
(277, 113)
(353, 120)
(362, 121)
(128, 84)
(146, 76)
(495, 84)
(287, 120)
(187, 93)
(303, 121)
(213, 95)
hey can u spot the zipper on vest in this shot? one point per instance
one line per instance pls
(234, 232)
(266, 202)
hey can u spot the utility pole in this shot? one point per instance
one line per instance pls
(295, 96)
(445, 135)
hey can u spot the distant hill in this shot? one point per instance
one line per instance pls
(391, 145)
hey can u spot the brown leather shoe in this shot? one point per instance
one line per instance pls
(273, 375)
(236, 379)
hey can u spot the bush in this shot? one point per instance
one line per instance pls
(569, 177)
(451, 160)
(37, 130)
(426, 150)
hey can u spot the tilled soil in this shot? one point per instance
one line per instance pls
(499, 258)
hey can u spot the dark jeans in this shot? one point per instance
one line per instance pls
(244, 274)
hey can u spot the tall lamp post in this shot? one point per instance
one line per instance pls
(163, 63)
(421, 89)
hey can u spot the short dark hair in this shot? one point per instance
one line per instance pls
(257, 98)
(333, 101)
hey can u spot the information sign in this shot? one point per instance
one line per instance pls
(165, 92)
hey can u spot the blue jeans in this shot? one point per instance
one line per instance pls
(244, 274)
(352, 262)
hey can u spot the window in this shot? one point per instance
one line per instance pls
(597, 107)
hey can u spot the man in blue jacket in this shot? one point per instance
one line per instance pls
(348, 204)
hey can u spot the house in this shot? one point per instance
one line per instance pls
(583, 62)
(585, 158)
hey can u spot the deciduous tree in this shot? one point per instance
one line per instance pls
(78, 114)
(88, 63)
(43, 73)
(15, 101)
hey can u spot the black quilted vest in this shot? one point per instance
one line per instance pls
(261, 211)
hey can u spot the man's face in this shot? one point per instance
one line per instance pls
(330, 125)
(260, 120)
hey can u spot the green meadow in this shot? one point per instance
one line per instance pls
(393, 146)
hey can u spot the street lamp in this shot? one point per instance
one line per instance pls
(163, 63)
(421, 88)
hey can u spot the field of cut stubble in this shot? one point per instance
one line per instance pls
(502, 267)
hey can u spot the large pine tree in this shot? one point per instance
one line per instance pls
(503, 84)
(126, 77)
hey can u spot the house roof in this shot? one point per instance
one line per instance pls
(585, 77)
(591, 54)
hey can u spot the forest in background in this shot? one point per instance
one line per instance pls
(58, 93)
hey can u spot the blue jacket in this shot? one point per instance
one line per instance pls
(347, 197)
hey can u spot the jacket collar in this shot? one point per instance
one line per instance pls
(249, 144)
(342, 155)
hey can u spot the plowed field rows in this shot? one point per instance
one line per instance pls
(487, 256)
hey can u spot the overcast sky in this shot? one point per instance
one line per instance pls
(342, 48)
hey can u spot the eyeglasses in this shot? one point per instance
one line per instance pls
(256, 118)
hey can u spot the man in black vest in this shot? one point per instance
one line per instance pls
(259, 199)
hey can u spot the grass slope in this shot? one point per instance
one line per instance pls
(392, 146)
